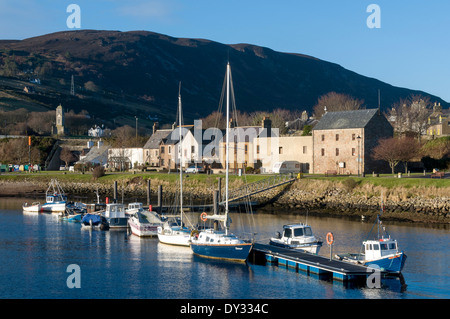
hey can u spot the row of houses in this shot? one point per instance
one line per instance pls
(341, 142)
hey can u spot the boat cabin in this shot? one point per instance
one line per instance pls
(55, 198)
(114, 211)
(376, 249)
(137, 206)
(294, 232)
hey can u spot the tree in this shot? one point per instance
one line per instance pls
(407, 149)
(67, 156)
(386, 151)
(410, 115)
(336, 102)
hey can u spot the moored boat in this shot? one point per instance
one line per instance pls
(381, 253)
(145, 223)
(115, 215)
(55, 200)
(94, 221)
(297, 236)
(218, 242)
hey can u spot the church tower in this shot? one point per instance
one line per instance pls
(59, 120)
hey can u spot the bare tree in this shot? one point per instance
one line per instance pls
(336, 102)
(407, 148)
(386, 151)
(67, 156)
(410, 115)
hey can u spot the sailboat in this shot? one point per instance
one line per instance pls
(173, 231)
(220, 243)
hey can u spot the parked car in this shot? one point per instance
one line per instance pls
(195, 169)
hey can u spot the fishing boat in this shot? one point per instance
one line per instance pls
(381, 253)
(297, 236)
(55, 200)
(115, 215)
(145, 223)
(174, 231)
(94, 221)
(218, 242)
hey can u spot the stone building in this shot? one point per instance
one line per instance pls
(343, 142)
(439, 122)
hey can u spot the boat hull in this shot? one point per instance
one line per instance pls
(391, 264)
(312, 248)
(143, 230)
(117, 222)
(233, 252)
(178, 236)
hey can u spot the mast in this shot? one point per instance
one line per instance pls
(226, 148)
(181, 151)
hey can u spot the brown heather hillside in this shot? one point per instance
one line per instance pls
(119, 75)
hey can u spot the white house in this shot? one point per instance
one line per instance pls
(125, 158)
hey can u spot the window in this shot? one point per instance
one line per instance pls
(213, 151)
(337, 137)
(322, 151)
(162, 149)
(288, 232)
(192, 149)
(376, 247)
(353, 136)
(257, 149)
(353, 151)
(170, 149)
(246, 148)
(392, 246)
(298, 232)
(337, 152)
(305, 149)
(280, 150)
(323, 137)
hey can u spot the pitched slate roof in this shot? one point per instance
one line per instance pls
(154, 140)
(345, 119)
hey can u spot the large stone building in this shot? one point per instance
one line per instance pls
(343, 142)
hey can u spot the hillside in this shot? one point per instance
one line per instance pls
(119, 75)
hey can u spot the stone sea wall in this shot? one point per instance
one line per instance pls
(326, 197)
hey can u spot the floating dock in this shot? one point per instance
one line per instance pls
(310, 263)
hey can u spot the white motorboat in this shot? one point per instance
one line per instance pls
(297, 236)
(145, 223)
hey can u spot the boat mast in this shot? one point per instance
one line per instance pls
(226, 148)
(181, 151)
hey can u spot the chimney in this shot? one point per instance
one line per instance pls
(267, 125)
(155, 127)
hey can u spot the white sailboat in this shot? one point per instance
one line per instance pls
(173, 231)
(217, 243)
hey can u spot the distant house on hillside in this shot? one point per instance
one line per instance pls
(439, 122)
(343, 141)
(151, 148)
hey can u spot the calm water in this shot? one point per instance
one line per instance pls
(36, 249)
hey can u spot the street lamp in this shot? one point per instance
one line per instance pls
(136, 131)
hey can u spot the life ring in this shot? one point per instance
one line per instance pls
(330, 238)
(194, 233)
(203, 216)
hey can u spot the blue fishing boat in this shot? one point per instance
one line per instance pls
(218, 242)
(380, 253)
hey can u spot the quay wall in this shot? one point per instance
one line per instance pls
(318, 196)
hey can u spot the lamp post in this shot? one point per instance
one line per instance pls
(136, 131)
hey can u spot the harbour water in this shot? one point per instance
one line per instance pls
(37, 249)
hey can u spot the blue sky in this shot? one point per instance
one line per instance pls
(411, 49)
